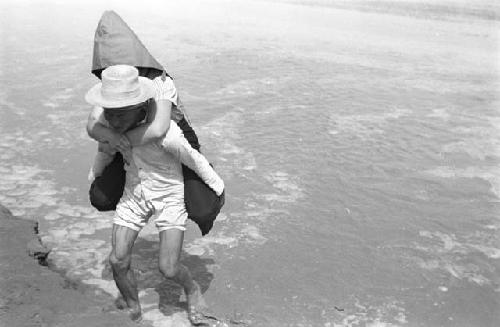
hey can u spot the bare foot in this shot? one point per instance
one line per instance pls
(120, 303)
(197, 318)
(196, 304)
(135, 313)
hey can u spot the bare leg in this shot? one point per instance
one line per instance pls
(170, 251)
(123, 239)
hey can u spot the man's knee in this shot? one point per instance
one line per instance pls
(169, 269)
(119, 262)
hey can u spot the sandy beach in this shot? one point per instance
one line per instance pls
(33, 295)
(358, 141)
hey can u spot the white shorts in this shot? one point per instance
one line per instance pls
(135, 209)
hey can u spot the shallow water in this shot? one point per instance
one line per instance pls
(359, 145)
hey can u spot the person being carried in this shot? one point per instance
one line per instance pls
(157, 125)
(115, 43)
(154, 187)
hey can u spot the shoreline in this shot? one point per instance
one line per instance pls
(32, 293)
(359, 152)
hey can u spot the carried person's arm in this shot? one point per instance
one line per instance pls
(156, 125)
(158, 119)
(97, 130)
(95, 127)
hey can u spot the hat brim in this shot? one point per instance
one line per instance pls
(94, 95)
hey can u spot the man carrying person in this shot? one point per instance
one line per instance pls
(154, 187)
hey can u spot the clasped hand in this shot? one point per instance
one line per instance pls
(120, 142)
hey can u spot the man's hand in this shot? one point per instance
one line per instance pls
(123, 144)
(120, 142)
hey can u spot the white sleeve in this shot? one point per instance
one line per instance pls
(104, 157)
(165, 89)
(176, 144)
(98, 115)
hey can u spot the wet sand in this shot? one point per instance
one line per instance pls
(33, 295)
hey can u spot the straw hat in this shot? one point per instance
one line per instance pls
(121, 86)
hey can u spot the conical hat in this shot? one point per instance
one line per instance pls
(116, 44)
